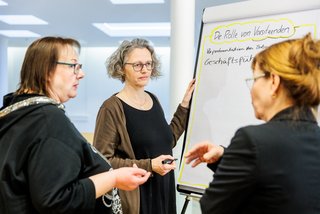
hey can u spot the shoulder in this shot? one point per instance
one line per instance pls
(248, 136)
(261, 131)
(112, 107)
(259, 139)
(56, 125)
(50, 113)
(153, 97)
(112, 102)
(253, 130)
(55, 115)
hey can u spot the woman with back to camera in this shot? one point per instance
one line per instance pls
(272, 168)
(46, 166)
(131, 128)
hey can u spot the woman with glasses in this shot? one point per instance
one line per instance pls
(46, 166)
(131, 128)
(272, 168)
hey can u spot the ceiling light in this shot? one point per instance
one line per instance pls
(18, 33)
(137, 1)
(2, 3)
(161, 29)
(22, 20)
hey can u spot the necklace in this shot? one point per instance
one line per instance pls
(140, 105)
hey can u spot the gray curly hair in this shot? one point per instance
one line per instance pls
(115, 62)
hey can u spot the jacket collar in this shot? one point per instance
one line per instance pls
(295, 113)
(13, 103)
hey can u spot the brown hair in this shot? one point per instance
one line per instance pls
(115, 62)
(297, 62)
(39, 61)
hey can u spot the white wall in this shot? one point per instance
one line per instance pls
(3, 68)
(15, 59)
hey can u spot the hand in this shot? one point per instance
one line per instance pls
(129, 178)
(187, 96)
(204, 152)
(160, 168)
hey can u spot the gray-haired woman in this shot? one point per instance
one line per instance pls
(131, 128)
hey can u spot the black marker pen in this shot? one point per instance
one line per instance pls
(169, 161)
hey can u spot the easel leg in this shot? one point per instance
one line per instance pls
(185, 205)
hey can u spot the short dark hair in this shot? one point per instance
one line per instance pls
(39, 61)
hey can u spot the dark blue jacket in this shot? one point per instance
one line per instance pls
(273, 168)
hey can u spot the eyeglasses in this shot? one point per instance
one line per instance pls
(76, 66)
(139, 66)
(251, 80)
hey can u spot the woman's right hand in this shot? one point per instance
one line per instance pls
(125, 178)
(129, 178)
(159, 167)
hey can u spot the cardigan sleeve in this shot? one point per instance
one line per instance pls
(178, 123)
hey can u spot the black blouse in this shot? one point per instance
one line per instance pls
(151, 136)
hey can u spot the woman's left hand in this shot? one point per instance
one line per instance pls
(204, 152)
(187, 96)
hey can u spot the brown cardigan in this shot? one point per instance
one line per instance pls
(111, 138)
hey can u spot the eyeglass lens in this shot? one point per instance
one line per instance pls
(249, 82)
(76, 66)
(139, 66)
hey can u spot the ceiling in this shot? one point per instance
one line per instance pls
(74, 18)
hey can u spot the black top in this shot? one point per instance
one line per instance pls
(45, 163)
(272, 168)
(151, 136)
